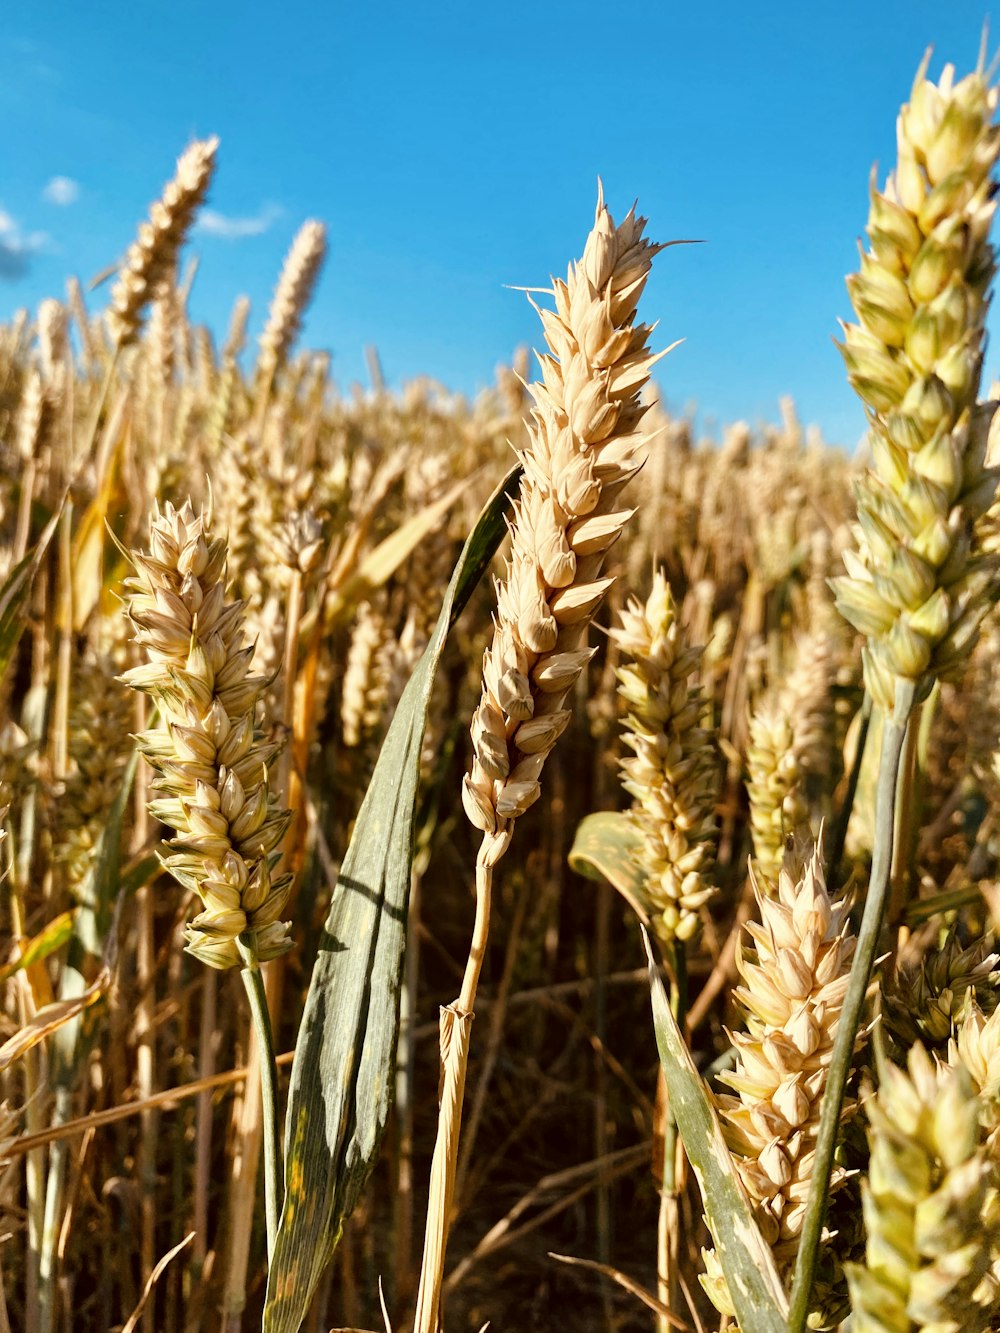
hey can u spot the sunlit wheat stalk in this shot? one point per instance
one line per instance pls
(916, 587)
(585, 442)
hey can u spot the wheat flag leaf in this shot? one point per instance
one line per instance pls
(604, 849)
(761, 1304)
(343, 1073)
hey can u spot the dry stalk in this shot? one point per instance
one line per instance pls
(585, 442)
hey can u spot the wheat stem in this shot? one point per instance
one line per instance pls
(203, 1123)
(893, 739)
(64, 651)
(254, 984)
(23, 529)
(456, 1024)
(905, 821)
(844, 817)
(290, 667)
(667, 1232)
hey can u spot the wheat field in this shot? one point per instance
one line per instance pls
(333, 721)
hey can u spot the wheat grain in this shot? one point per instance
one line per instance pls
(162, 334)
(773, 784)
(298, 543)
(53, 343)
(976, 1047)
(366, 685)
(31, 418)
(586, 441)
(100, 718)
(929, 995)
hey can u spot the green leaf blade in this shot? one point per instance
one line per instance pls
(604, 849)
(342, 1076)
(754, 1285)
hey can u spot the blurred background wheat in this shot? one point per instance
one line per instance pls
(128, 1126)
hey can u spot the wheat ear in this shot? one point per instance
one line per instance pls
(153, 254)
(917, 587)
(585, 441)
(291, 297)
(671, 772)
(793, 988)
(931, 1206)
(774, 777)
(213, 778)
(671, 775)
(915, 358)
(211, 760)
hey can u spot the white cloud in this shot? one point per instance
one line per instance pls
(17, 249)
(61, 190)
(229, 228)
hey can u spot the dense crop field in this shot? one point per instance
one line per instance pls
(292, 678)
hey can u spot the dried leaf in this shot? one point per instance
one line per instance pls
(49, 1020)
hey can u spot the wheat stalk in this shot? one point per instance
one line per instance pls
(212, 765)
(585, 442)
(671, 777)
(916, 587)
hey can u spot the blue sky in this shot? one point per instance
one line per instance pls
(455, 148)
